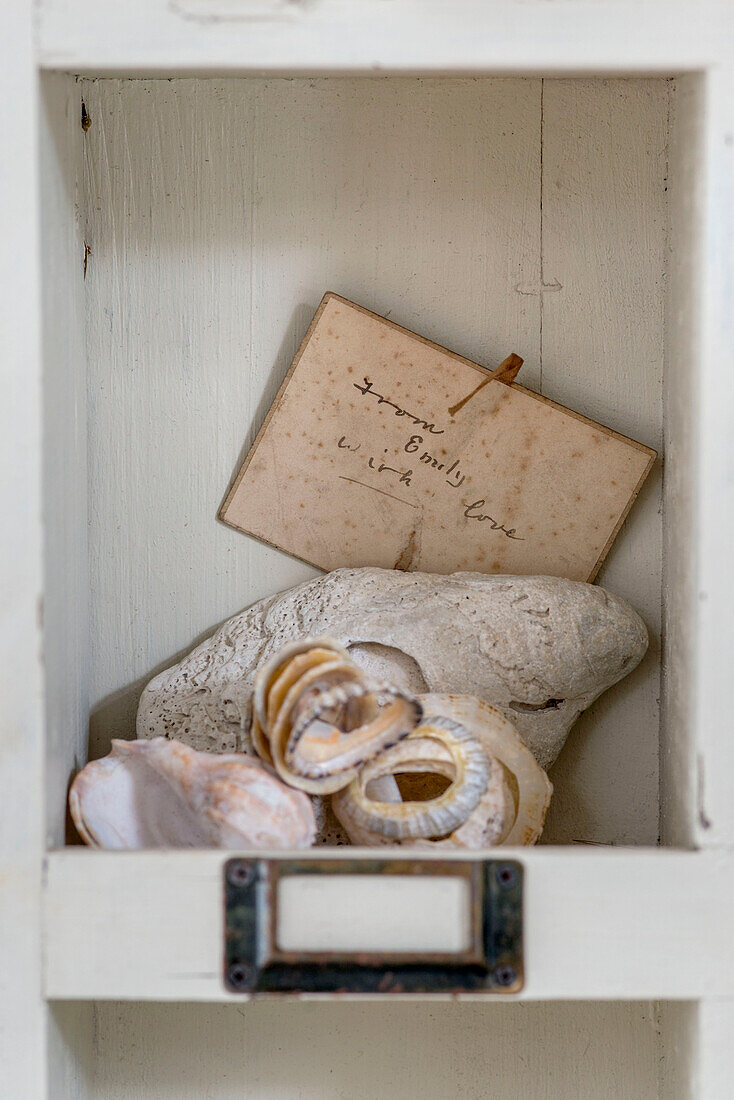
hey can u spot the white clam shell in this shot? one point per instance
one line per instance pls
(162, 794)
(541, 649)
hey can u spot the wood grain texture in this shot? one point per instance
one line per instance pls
(218, 212)
(69, 1032)
(329, 1052)
(599, 925)
(169, 220)
(604, 237)
(679, 753)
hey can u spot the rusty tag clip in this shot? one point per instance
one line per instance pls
(364, 925)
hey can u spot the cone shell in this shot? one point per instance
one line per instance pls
(162, 794)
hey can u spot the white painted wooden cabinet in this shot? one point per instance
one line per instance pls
(181, 180)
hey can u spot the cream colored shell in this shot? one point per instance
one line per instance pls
(531, 787)
(317, 717)
(439, 745)
(513, 806)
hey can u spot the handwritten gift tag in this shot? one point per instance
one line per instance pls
(374, 453)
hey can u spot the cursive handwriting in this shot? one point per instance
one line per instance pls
(413, 445)
(404, 476)
(367, 390)
(471, 511)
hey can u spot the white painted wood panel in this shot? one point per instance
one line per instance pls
(715, 473)
(215, 209)
(65, 607)
(67, 1035)
(679, 752)
(506, 36)
(603, 240)
(286, 145)
(71, 1051)
(22, 1011)
(582, 1050)
(712, 1029)
(676, 1025)
(279, 1051)
(599, 925)
(218, 214)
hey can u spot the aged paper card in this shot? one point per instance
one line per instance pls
(371, 455)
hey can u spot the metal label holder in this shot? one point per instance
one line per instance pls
(254, 963)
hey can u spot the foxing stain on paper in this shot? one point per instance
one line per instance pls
(385, 449)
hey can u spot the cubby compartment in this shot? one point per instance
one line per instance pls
(190, 229)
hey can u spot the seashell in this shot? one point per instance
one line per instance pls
(388, 715)
(277, 674)
(514, 804)
(531, 787)
(489, 824)
(162, 794)
(461, 760)
(541, 649)
(486, 826)
(312, 682)
(318, 717)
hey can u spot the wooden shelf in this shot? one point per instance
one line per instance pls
(193, 36)
(599, 924)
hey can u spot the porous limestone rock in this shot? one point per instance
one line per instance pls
(540, 649)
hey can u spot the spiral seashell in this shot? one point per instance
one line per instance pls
(277, 675)
(511, 809)
(315, 740)
(467, 766)
(310, 685)
(317, 716)
(530, 786)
